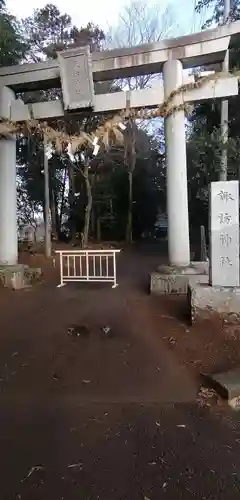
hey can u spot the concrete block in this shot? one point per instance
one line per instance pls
(227, 385)
(204, 300)
(19, 276)
(173, 280)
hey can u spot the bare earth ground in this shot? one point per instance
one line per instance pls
(116, 418)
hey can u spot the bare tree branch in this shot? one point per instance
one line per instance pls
(140, 23)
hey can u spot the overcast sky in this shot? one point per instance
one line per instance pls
(81, 12)
(104, 12)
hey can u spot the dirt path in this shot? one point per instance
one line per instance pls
(105, 418)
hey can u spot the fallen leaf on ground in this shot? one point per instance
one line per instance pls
(234, 403)
(205, 395)
(73, 466)
(35, 468)
(206, 392)
(78, 331)
(107, 331)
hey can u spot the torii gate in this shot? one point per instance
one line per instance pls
(76, 70)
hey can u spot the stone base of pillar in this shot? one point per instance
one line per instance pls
(175, 280)
(205, 300)
(19, 276)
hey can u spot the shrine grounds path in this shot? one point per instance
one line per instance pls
(112, 417)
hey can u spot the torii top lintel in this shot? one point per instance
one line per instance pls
(201, 49)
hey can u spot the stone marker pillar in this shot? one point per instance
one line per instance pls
(224, 236)
(222, 293)
(177, 194)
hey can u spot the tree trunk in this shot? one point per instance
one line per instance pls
(35, 234)
(130, 158)
(92, 180)
(88, 207)
(53, 204)
(48, 240)
(54, 215)
(56, 208)
(93, 221)
(99, 229)
(71, 202)
(129, 215)
(62, 199)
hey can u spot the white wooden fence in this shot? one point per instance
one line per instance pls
(88, 265)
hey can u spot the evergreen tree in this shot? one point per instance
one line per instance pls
(13, 48)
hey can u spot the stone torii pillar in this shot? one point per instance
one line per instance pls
(174, 277)
(8, 190)
(176, 159)
(12, 274)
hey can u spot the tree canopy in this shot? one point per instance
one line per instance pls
(217, 7)
(13, 47)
